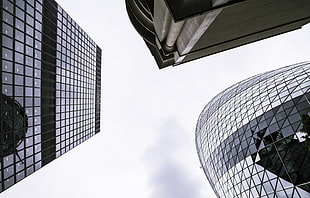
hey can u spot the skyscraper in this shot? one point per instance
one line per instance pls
(180, 31)
(250, 140)
(50, 82)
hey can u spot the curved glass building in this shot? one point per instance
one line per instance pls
(249, 138)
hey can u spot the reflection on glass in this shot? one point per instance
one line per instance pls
(14, 126)
(252, 132)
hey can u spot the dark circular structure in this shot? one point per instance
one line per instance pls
(249, 138)
(141, 19)
(14, 124)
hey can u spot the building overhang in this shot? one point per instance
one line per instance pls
(186, 30)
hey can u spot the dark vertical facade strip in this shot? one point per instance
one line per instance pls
(1, 159)
(48, 89)
(98, 89)
(49, 67)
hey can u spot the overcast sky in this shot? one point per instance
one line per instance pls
(146, 148)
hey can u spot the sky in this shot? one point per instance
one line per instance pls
(146, 147)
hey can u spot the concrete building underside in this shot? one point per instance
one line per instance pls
(180, 31)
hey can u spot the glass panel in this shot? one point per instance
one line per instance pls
(19, 80)
(19, 58)
(7, 30)
(19, 35)
(7, 78)
(29, 30)
(29, 20)
(19, 13)
(19, 47)
(7, 42)
(7, 54)
(19, 24)
(8, 18)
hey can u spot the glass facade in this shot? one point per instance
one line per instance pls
(50, 82)
(249, 138)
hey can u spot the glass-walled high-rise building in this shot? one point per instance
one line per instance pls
(50, 83)
(252, 138)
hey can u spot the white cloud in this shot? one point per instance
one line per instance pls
(172, 171)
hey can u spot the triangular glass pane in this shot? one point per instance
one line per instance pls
(285, 183)
(273, 120)
(261, 146)
(271, 175)
(273, 183)
(294, 110)
(254, 192)
(268, 187)
(281, 194)
(296, 194)
(289, 192)
(279, 109)
(287, 131)
(263, 192)
(280, 122)
(266, 178)
(269, 195)
(302, 192)
(305, 89)
(258, 188)
(245, 184)
(259, 168)
(279, 186)
(296, 126)
(268, 120)
(256, 179)
(257, 159)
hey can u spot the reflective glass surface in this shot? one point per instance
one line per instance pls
(19, 84)
(248, 137)
(75, 84)
(49, 74)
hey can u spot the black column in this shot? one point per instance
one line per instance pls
(98, 90)
(48, 83)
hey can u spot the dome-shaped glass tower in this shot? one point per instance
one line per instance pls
(251, 138)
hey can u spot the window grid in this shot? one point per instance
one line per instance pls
(21, 81)
(75, 86)
(249, 132)
(22, 54)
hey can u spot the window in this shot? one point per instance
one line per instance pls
(38, 36)
(7, 30)
(29, 61)
(19, 35)
(38, 25)
(7, 54)
(37, 64)
(19, 13)
(38, 16)
(30, 9)
(8, 18)
(21, 4)
(19, 24)
(19, 47)
(6, 78)
(29, 40)
(19, 58)
(29, 51)
(7, 42)
(19, 80)
(29, 20)
(8, 6)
